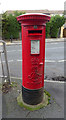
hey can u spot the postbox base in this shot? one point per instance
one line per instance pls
(32, 97)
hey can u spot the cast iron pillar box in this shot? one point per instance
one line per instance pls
(33, 56)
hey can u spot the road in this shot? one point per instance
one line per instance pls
(54, 59)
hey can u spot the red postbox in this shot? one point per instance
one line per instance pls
(33, 56)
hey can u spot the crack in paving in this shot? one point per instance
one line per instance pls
(28, 113)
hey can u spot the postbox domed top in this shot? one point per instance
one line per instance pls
(33, 16)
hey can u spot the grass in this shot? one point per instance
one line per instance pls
(5, 87)
(0, 86)
(53, 98)
(44, 103)
(48, 94)
(13, 84)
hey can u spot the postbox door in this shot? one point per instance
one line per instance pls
(33, 58)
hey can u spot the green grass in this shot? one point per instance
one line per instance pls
(47, 93)
(13, 84)
(44, 103)
(30, 108)
(53, 98)
(0, 86)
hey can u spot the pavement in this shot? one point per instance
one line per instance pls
(47, 40)
(54, 110)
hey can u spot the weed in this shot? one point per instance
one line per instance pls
(47, 93)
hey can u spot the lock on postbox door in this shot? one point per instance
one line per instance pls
(33, 56)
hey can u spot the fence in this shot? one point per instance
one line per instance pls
(6, 62)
